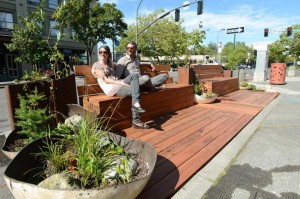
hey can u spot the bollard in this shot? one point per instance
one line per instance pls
(242, 75)
(291, 71)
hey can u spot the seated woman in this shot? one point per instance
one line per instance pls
(104, 73)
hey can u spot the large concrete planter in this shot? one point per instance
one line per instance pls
(12, 136)
(24, 165)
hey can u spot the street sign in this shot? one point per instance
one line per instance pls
(296, 30)
(235, 30)
(117, 43)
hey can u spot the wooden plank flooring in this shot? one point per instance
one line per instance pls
(187, 139)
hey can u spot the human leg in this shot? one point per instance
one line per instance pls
(158, 80)
(133, 80)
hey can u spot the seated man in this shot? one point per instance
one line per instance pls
(130, 64)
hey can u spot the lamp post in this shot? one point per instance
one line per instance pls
(218, 42)
(136, 23)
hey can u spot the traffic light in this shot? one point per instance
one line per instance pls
(289, 31)
(200, 7)
(266, 32)
(177, 15)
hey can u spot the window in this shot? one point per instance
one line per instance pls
(6, 20)
(34, 2)
(73, 32)
(53, 3)
(54, 28)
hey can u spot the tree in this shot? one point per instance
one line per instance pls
(163, 38)
(28, 41)
(196, 39)
(286, 48)
(92, 23)
(234, 57)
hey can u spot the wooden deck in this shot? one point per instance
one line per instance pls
(188, 139)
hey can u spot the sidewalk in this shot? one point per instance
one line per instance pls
(263, 160)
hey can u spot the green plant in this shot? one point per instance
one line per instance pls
(32, 119)
(199, 88)
(88, 155)
(248, 86)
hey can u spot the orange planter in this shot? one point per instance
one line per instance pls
(278, 72)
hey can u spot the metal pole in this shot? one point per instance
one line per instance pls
(218, 42)
(234, 42)
(136, 24)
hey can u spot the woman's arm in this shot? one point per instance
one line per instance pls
(99, 73)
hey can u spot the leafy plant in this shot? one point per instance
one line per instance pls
(248, 86)
(32, 119)
(199, 88)
(88, 156)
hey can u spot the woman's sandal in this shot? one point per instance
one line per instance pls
(140, 125)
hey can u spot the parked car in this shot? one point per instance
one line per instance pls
(242, 66)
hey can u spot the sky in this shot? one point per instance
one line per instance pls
(253, 15)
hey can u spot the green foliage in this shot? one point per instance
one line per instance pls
(241, 54)
(248, 86)
(27, 40)
(197, 90)
(87, 155)
(92, 24)
(32, 119)
(164, 38)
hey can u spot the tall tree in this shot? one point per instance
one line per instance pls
(28, 41)
(233, 56)
(196, 39)
(286, 48)
(92, 22)
(164, 38)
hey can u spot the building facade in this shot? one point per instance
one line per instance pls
(75, 53)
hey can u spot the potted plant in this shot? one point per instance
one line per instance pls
(32, 121)
(90, 163)
(201, 95)
(247, 86)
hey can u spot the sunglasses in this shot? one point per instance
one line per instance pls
(130, 48)
(103, 52)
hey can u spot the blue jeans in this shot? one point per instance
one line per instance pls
(133, 90)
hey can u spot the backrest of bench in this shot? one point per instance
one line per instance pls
(91, 85)
(207, 71)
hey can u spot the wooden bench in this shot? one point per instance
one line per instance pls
(118, 109)
(215, 79)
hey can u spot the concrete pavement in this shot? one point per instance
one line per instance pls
(263, 160)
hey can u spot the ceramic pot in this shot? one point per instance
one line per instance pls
(199, 99)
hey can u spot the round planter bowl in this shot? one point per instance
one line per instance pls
(12, 136)
(17, 171)
(198, 99)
